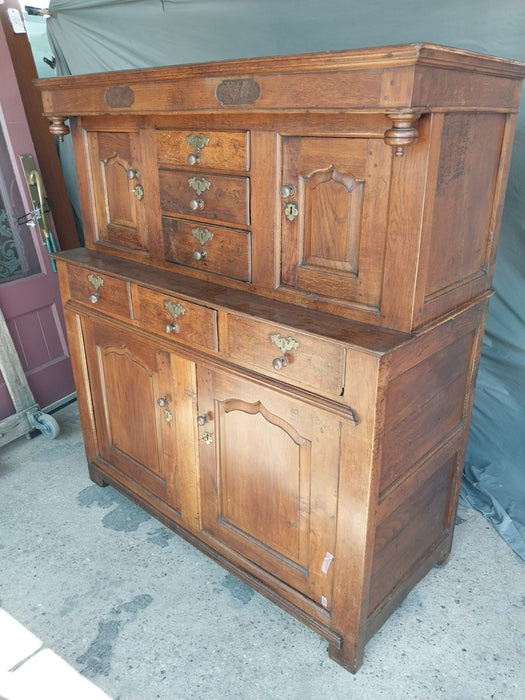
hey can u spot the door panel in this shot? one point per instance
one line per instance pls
(118, 198)
(334, 215)
(143, 405)
(29, 294)
(269, 477)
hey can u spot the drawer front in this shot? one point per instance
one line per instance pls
(178, 319)
(103, 292)
(284, 353)
(209, 197)
(221, 150)
(221, 251)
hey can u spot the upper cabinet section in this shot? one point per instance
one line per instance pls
(366, 183)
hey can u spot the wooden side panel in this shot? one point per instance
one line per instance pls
(427, 414)
(424, 407)
(467, 178)
(411, 522)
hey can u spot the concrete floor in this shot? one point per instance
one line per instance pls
(98, 600)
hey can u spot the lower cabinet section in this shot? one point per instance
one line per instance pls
(334, 507)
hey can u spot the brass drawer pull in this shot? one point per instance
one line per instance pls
(280, 362)
(175, 310)
(194, 159)
(200, 254)
(163, 401)
(97, 282)
(284, 344)
(199, 184)
(196, 204)
(197, 142)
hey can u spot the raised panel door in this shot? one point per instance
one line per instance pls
(144, 412)
(334, 218)
(119, 194)
(269, 479)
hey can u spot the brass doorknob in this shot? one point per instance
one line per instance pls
(163, 401)
(202, 420)
(287, 191)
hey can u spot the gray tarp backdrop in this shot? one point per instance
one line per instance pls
(100, 35)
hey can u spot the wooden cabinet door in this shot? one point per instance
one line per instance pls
(269, 477)
(334, 217)
(119, 194)
(143, 401)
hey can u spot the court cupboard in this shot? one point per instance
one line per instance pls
(276, 322)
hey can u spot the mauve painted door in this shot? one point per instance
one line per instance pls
(29, 294)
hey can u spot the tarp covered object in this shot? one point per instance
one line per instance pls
(99, 35)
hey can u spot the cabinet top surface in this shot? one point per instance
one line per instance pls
(359, 335)
(415, 54)
(356, 73)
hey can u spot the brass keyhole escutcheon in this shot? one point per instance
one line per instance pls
(208, 438)
(291, 211)
(138, 191)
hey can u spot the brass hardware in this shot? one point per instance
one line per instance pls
(197, 142)
(168, 415)
(280, 362)
(199, 184)
(202, 420)
(132, 173)
(287, 191)
(138, 191)
(403, 132)
(284, 344)
(38, 199)
(175, 310)
(208, 438)
(97, 282)
(200, 254)
(163, 401)
(291, 211)
(194, 159)
(203, 235)
(196, 204)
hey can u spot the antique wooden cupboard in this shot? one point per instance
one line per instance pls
(276, 321)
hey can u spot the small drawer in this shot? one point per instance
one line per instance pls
(284, 353)
(221, 150)
(103, 292)
(221, 251)
(205, 196)
(174, 318)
